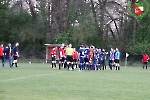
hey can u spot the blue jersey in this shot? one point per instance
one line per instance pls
(117, 55)
(15, 50)
(86, 52)
(111, 55)
(103, 54)
(81, 52)
(96, 54)
(99, 55)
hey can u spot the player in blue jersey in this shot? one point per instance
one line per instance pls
(111, 58)
(117, 58)
(96, 58)
(104, 59)
(81, 57)
(86, 57)
(99, 59)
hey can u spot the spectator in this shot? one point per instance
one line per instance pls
(7, 55)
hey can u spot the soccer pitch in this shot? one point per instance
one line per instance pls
(40, 82)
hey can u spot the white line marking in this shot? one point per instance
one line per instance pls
(25, 77)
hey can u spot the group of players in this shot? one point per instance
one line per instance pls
(86, 58)
(10, 54)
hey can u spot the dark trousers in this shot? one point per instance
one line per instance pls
(110, 64)
(103, 64)
(144, 65)
(2, 58)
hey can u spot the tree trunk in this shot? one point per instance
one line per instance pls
(49, 26)
(31, 7)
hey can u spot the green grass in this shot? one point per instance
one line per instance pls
(40, 82)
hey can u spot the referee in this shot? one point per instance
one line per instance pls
(69, 53)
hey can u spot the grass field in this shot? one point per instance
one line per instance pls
(40, 82)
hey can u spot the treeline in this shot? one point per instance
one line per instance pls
(104, 24)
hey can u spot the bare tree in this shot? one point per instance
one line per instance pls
(110, 16)
(32, 9)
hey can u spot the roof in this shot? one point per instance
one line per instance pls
(53, 45)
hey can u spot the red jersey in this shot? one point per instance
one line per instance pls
(53, 53)
(61, 52)
(75, 55)
(145, 58)
(91, 54)
(64, 52)
(1, 50)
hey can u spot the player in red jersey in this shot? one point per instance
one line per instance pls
(53, 57)
(65, 57)
(145, 59)
(2, 52)
(61, 56)
(91, 56)
(75, 58)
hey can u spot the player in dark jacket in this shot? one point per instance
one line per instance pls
(15, 55)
